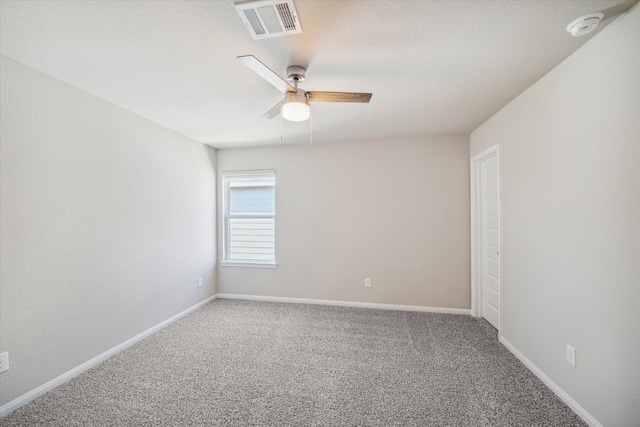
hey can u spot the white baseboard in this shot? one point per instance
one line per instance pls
(582, 413)
(29, 396)
(348, 303)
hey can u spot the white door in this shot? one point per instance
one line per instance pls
(490, 239)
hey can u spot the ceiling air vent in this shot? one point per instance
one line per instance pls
(269, 18)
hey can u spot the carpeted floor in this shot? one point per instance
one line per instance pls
(244, 363)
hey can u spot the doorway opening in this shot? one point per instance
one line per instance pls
(486, 236)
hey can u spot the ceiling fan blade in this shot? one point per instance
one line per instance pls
(266, 73)
(273, 112)
(315, 96)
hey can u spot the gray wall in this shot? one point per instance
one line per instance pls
(107, 221)
(394, 211)
(570, 150)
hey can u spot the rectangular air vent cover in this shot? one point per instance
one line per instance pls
(269, 18)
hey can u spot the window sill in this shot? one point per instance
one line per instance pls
(248, 264)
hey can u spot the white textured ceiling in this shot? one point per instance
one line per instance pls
(434, 67)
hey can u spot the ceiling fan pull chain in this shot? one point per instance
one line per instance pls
(280, 128)
(310, 127)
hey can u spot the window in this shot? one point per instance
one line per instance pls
(249, 218)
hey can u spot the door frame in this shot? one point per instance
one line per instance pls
(476, 230)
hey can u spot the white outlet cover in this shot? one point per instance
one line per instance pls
(571, 356)
(4, 361)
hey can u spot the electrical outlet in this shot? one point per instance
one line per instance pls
(367, 283)
(199, 282)
(4, 361)
(571, 356)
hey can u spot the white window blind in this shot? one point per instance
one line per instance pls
(249, 236)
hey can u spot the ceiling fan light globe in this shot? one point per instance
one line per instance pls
(295, 107)
(295, 111)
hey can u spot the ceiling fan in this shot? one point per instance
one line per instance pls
(295, 105)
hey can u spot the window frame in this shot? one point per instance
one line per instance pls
(227, 177)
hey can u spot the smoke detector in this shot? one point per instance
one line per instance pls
(585, 24)
(269, 18)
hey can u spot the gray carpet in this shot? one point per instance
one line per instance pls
(243, 363)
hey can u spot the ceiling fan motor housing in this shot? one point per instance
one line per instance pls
(295, 73)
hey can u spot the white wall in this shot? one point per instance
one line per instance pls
(570, 150)
(394, 211)
(107, 221)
